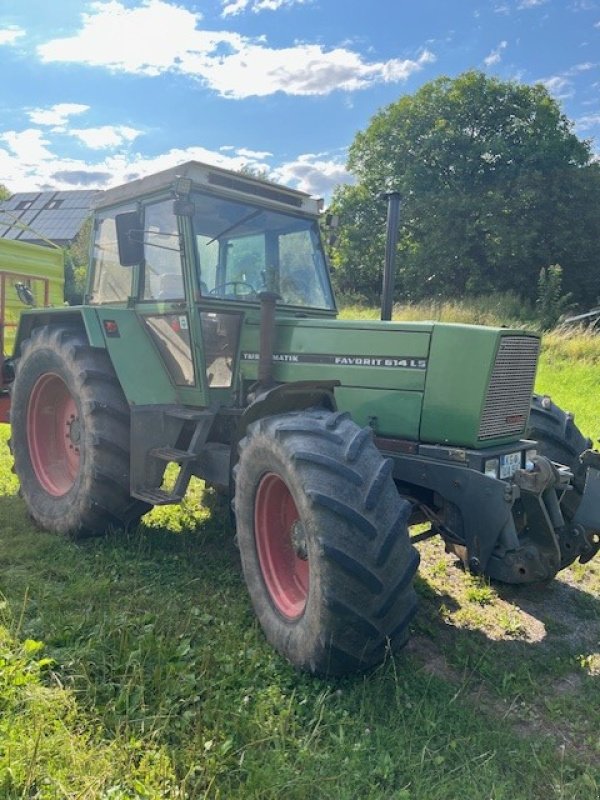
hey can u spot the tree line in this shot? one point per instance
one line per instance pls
(496, 189)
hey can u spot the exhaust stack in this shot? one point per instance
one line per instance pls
(389, 267)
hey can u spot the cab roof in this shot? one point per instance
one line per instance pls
(223, 182)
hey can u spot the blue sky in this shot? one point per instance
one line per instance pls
(96, 93)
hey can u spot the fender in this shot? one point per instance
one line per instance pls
(295, 396)
(84, 318)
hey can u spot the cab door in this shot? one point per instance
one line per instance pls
(165, 304)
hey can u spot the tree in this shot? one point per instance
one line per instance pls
(494, 183)
(4, 192)
(76, 263)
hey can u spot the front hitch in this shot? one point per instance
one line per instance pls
(541, 526)
(550, 539)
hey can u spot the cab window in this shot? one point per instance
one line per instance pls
(242, 249)
(111, 282)
(163, 277)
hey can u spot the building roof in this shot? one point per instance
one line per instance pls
(39, 216)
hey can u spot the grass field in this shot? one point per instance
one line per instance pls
(132, 667)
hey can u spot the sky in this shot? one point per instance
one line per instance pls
(98, 92)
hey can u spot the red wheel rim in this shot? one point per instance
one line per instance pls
(281, 546)
(53, 432)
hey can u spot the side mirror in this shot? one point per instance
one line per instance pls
(130, 238)
(25, 294)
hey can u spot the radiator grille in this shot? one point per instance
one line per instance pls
(509, 394)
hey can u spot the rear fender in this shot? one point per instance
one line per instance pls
(84, 319)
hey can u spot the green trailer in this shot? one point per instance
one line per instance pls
(209, 339)
(29, 275)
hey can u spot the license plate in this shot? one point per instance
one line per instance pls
(509, 464)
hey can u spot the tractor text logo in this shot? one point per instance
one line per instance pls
(394, 362)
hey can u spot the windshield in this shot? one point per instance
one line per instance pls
(243, 249)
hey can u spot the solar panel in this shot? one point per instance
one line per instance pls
(57, 216)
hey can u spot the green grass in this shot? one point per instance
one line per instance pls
(132, 667)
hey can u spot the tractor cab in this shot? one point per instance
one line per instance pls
(192, 250)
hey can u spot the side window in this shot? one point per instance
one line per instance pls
(112, 282)
(300, 275)
(163, 278)
(208, 257)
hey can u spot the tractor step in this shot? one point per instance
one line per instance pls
(172, 454)
(157, 497)
(188, 414)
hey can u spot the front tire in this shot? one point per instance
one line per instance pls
(70, 435)
(323, 541)
(560, 440)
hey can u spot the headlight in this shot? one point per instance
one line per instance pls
(491, 468)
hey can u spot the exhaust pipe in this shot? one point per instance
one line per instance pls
(389, 266)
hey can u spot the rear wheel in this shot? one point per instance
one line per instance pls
(323, 541)
(70, 435)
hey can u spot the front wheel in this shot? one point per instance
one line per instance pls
(323, 541)
(70, 435)
(559, 439)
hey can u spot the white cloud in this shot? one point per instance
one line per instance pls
(28, 146)
(587, 122)
(230, 64)
(233, 7)
(105, 136)
(585, 67)
(10, 35)
(252, 154)
(27, 164)
(302, 70)
(57, 114)
(315, 173)
(531, 3)
(496, 55)
(559, 86)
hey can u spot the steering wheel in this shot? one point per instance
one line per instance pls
(220, 286)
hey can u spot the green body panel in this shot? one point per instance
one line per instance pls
(136, 361)
(381, 393)
(460, 365)
(389, 413)
(40, 268)
(438, 398)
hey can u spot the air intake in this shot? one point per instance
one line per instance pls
(506, 408)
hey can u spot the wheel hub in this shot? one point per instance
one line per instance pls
(298, 536)
(74, 432)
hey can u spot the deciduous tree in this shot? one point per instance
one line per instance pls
(494, 185)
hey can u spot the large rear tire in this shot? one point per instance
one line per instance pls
(323, 541)
(70, 435)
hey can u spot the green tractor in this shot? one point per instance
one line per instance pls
(208, 339)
